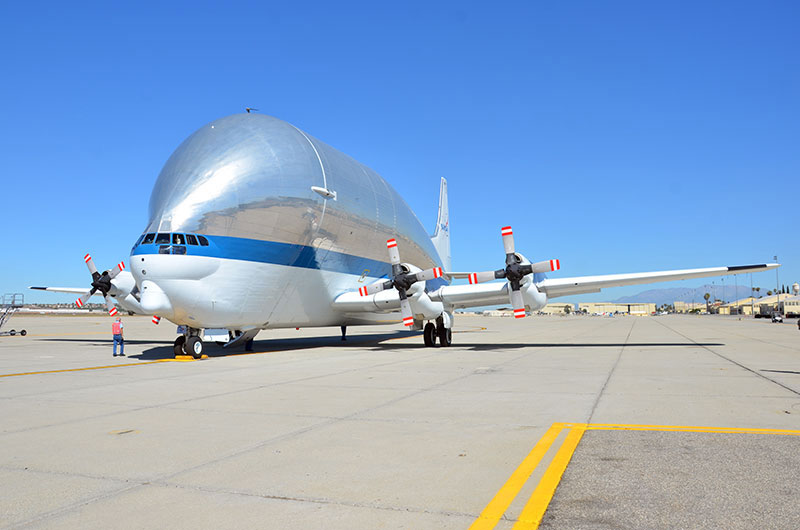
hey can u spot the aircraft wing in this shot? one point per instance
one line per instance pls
(555, 287)
(76, 290)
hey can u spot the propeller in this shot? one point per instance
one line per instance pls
(102, 283)
(514, 272)
(401, 280)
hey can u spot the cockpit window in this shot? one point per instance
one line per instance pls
(148, 239)
(203, 241)
(177, 239)
(138, 241)
(191, 239)
(162, 239)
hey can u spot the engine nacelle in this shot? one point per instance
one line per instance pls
(534, 300)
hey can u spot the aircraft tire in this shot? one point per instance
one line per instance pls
(23, 332)
(445, 336)
(13, 332)
(429, 334)
(195, 347)
(177, 347)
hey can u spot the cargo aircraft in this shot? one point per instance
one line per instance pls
(254, 225)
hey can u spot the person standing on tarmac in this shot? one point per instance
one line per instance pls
(116, 330)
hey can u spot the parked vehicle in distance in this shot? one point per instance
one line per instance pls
(777, 317)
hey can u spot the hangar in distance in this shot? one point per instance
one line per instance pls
(254, 224)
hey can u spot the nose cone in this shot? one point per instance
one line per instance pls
(155, 300)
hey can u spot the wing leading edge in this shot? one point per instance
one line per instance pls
(556, 287)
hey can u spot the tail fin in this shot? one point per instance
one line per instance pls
(441, 236)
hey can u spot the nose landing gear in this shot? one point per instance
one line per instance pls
(189, 343)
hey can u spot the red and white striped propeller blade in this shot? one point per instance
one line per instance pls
(518, 304)
(480, 277)
(116, 270)
(112, 310)
(374, 288)
(80, 302)
(508, 239)
(394, 254)
(90, 263)
(156, 319)
(546, 266)
(428, 274)
(405, 310)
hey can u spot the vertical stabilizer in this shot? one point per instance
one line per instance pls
(441, 236)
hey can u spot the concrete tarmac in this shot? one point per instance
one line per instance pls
(381, 432)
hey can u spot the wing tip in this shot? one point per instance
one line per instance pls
(763, 266)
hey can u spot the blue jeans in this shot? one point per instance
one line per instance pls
(119, 340)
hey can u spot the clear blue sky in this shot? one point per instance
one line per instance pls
(616, 136)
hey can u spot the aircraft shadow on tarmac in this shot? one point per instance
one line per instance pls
(515, 345)
(373, 341)
(782, 372)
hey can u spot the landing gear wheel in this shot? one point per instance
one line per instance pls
(445, 336)
(194, 347)
(429, 334)
(23, 332)
(177, 347)
(12, 332)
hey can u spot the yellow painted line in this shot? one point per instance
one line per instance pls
(534, 510)
(681, 428)
(89, 368)
(491, 515)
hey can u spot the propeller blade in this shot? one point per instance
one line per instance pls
(116, 270)
(480, 277)
(518, 303)
(394, 254)
(80, 302)
(546, 266)
(112, 310)
(90, 263)
(428, 274)
(508, 239)
(405, 309)
(156, 319)
(374, 288)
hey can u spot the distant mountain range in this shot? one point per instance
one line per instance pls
(678, 294)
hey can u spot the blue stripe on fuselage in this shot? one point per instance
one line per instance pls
(287, 254)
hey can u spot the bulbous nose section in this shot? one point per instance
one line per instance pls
(155, 300)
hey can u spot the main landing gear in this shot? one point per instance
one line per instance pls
(189, 344)
(432, 333)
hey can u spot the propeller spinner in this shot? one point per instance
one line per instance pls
(401, 280)
(514, 271)
(102, 283)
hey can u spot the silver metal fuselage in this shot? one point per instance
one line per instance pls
(278, 253)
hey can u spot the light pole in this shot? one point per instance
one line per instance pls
(777, 286)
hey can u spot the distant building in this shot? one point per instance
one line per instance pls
(686, 307)
(642, 308)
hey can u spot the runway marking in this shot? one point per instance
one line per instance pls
(88, 368)
(540, 499)
(536, 506)
(491, 515)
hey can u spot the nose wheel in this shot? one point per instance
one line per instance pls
(177, 347)
(193, 345)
